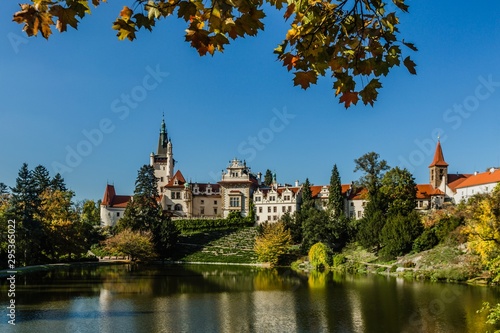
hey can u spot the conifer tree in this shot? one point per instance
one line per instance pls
(335, 198)
(307, 201)
(57, 183)
(268, 178)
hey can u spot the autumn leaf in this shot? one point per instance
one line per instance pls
(126, 13)
(126, 29)
(65, 16)
(410, 65)
(369, 93)
(348, 98)
(304, 79)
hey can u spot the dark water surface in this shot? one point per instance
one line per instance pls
(208, 298)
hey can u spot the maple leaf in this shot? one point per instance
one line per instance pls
(65, 16)
(348, 98)
(304, 79)
(410, 65)
(369, 93)
(126, 13)
(126, 29)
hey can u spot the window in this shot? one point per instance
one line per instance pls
(269, 217)
(275, 209)
(209, 190)
(351, 214)
(234, 202)
(202, 201)
(178, 207)
(117, 213)
(178, 195)
(275, 217)
(359, 214)
(268, 209)
(215, 202)
(283, 209)
(258, 218)
(272, 198)
(161, 179)
(202, 210)
(215, 210)
(286, 198)
(289, 208)
(352, 204)
(169, 207)
(257, 199)
(260, 209)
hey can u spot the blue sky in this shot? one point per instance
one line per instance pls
(57, 94)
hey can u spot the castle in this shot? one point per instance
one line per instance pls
(239, 188)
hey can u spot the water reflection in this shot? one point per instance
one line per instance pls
(208, 298)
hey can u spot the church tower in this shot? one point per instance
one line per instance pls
(163, 161)
(438, 168)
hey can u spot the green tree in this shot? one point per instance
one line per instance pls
(143, 211)
(319, 256)
(350, 41)
(307, 200)
(399, 233)
(272, 243)
(136, 244)
(165, 236)
(4, 189)
(315, 228)
(293, 224)
(57, 183)
(268, 178)
(24, 203)
(373, 170)
(400, 191)
(335, 197)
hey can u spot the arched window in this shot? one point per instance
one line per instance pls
(178, 207)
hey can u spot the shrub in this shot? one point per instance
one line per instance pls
(273, 243)
(339, 259)
(318, 256)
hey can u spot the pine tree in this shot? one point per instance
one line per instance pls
(268, 178)
(24, 205)
(57, 183)
(335, 198)
(307, 201)
(41, 179)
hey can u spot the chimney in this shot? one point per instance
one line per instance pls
(492, 170)
(297, 183)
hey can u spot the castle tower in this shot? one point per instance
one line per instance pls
(163, 161)
(438, 168)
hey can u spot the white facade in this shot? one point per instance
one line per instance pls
(478, 183)
(236, 188)
(271, 204)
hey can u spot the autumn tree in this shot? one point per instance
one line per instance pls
(354, 42)
(272, 243)
(136, 244)
(483, 229)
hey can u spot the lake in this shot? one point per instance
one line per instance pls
(219, 298)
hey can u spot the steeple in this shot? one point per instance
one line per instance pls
(163, 139)
(438, 169)
(438, 157)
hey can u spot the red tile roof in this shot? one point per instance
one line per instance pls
(438, 157)
(111, 199)
(426, 191)
(358, 194)
(180, 180)
(481, 178)
(455, 180)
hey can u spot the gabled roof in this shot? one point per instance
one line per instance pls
(358, 194)
(455, 180)
(316, 189)
(111, 199)
(177, 176)
(426, 191)
(438, 157)
(492, 176)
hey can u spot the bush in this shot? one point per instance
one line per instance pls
(319, 256)
(273, 243)
(339, 259)
(426, 241)
(234, 220)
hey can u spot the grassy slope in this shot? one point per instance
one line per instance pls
(222, 246)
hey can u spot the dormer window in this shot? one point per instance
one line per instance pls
(176, 182)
